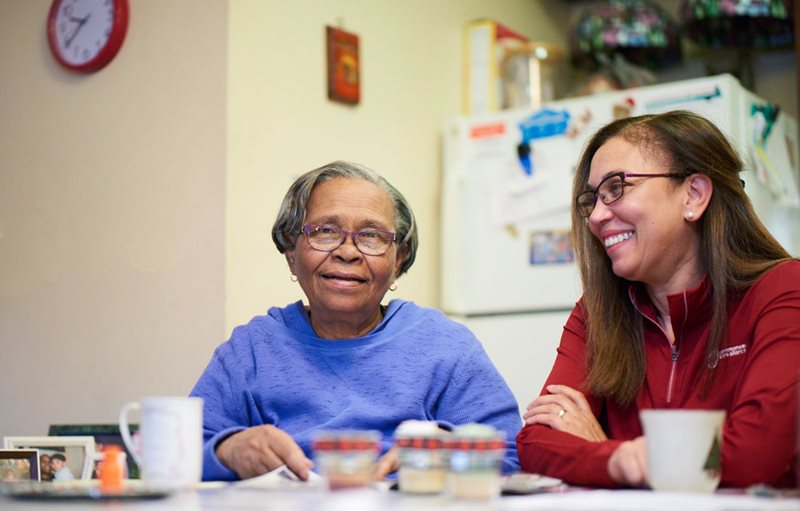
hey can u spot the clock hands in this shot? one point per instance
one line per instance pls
(81, 22)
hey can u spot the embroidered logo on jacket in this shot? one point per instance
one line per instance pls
(733, 351)
(715, 356)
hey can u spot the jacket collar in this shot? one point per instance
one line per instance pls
(688, 309)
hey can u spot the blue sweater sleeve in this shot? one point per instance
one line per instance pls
(213, 469)
(478, 393)
(222, 413)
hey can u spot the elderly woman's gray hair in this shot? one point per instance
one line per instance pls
(289, 223)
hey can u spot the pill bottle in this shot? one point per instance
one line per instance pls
(475, 453)
(345, 457)
(421, 456)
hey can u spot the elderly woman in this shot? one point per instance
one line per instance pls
(688, 302)
(344, 361)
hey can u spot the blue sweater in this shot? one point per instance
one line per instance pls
(416, 364)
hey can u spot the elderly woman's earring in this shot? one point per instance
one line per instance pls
(293, 277)
(393, 287)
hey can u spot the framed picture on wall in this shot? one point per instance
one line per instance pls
(61, 458)
(344, 66)
(19, 465)
(104, 435)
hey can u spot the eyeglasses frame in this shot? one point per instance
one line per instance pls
(622, 174)
(353, 236)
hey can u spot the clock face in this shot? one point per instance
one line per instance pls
(85, 35)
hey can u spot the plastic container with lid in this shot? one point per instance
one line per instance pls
(475, 453)
(345, 458)
(421, 456)
(111, 470)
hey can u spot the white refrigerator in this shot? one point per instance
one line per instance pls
(507, 269)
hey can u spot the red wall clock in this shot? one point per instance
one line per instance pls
(85, 35)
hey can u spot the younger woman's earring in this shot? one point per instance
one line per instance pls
(393, 287)
(690, 215)
(293, 277)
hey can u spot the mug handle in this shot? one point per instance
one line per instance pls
(125, 432)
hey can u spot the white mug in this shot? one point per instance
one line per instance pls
(170, 437)
(683, 449)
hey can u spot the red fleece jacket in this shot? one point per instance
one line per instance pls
(756, 383)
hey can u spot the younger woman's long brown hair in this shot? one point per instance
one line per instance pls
(736, 248)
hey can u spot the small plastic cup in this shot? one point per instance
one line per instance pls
(475, 452)
(421, 455)
(345, 458)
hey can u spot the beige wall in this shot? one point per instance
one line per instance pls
(281, 123)
(111, 214)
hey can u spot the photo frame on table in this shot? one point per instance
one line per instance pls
(103, 434)
(344, 66)
(77, 451)
(19, 465)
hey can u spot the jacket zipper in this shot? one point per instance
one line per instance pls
(675, 350)
(674, 368)
(672, 374)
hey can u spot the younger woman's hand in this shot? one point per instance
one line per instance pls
(628, 464)
(565, 409)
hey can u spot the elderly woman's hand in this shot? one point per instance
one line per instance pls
(628, 464)
(385, 465)
(257, 450)
(565, 409)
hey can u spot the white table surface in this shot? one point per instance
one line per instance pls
(229, 497)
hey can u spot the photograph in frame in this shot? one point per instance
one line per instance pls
(61, 458)
(104, 435)
(19, 465)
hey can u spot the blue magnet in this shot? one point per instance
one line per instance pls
(544, 123)
(524, 151)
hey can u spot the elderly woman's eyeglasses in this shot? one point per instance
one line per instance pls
(327, 238)
(610, 190)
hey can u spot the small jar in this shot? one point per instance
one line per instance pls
(345, 458)
(423, 467)
(475, 453)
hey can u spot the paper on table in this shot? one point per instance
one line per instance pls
(523, 483)
(280, 478)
